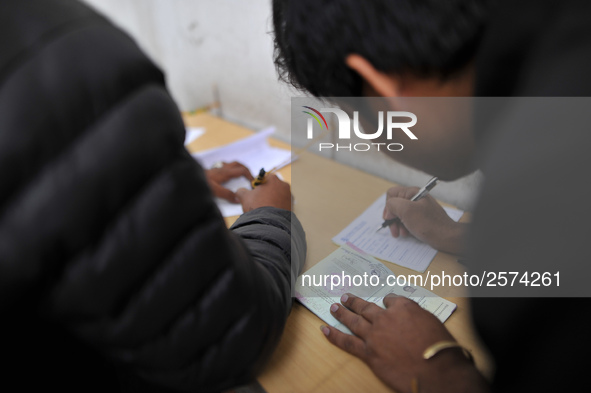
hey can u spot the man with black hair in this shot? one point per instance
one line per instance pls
(465, 48)
(314, 41)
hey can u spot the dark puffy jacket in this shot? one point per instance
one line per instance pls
(115, 264)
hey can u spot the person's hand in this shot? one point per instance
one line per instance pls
(425, 219)
(218, 176)
(273, 192)
(392, 341)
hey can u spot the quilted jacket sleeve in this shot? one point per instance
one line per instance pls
(107, 225)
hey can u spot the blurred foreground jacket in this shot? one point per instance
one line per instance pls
(533, 212)
(116, 268)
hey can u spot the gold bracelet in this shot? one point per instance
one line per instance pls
(441, 345)
(433, 350)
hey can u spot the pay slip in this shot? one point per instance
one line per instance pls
(407, 252)
(317, 293)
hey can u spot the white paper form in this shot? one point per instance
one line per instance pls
(318, 296)
(193, 133)
(254, 153)
(407, 252)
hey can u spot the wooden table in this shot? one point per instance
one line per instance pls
(305, 361)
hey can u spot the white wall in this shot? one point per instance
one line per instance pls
(202, 43)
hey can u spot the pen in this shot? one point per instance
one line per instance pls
(422, 193)
(260, 179)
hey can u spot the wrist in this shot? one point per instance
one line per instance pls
(450, 371)
(452, 239)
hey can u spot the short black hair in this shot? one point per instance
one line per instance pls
(420, 37)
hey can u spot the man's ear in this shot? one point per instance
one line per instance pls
(384, 84)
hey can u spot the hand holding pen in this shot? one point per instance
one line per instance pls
(260, 179)
(408, 212)
(262, 176)
(419, 195)
(270, 192)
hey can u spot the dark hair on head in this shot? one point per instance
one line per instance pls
(419, 37)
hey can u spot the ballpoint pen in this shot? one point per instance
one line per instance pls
(422, 193)
(260, 179)
(262, 176)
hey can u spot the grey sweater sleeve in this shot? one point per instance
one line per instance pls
(276, 240)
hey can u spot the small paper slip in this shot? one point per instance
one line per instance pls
(407, 252)
(254, 153)
(193, 133)
(318, 288)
